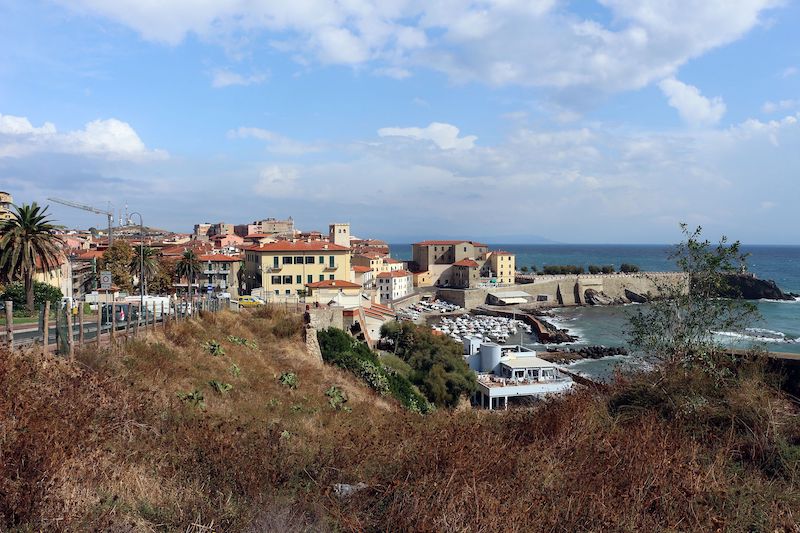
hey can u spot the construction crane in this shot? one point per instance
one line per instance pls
(91, 209)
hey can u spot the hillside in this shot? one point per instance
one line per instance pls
(121, 441)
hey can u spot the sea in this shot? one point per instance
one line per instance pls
(777, 329)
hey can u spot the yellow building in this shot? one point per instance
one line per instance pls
(286, 267)
(5, 206)
(503, 267)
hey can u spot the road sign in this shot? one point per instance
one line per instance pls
(210, 289)
(105, 279)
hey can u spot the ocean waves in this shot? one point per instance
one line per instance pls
(759, 335)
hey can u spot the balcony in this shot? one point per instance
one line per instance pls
(330, 268)
(273, 268)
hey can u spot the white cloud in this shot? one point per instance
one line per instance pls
(445, 136)
(782, 105)
(108, 138)
(788, 72)
(524, 42)
(225, 78)
(693, 107)
(393, 72)
(276, 143)
(277, 182)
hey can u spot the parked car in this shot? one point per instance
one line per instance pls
(122, 312)
(249, 301)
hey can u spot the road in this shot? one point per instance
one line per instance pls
(22, 338)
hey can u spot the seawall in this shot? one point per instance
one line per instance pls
(570, 290)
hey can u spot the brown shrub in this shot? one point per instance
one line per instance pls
(106, 444)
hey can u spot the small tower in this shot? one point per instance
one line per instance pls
(339, 234)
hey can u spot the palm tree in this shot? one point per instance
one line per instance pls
(27, 241)
(149, 264)
(188, 266)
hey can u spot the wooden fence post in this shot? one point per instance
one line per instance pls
(113, 323)
(46, 327)
(99, 323)
(70, 336)
(80, 325)
(163, 317)
(138, 320)
(10, 323)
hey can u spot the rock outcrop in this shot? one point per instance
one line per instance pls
(593, 297)
(749, 287)
(635, 297)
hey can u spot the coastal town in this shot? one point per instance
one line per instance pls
(461, 289)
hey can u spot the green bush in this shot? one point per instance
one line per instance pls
(42, 292)
(437, 363)
(562, 269)
(214, 348)
(340, 349)
(628, 268)
(220, 387)
(289, 379)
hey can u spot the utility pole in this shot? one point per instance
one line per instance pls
(141, 261)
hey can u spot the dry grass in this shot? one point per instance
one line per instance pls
(107, 444)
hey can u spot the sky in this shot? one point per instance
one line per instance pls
(606, 121)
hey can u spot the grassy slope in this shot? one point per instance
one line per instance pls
(106, 443)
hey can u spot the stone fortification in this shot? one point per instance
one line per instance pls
(570, 290)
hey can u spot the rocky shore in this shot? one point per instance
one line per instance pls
(749, 287)
(563, 357)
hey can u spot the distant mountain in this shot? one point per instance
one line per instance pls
(492, 239)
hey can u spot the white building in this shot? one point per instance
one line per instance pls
(510, 371)
(394, 285)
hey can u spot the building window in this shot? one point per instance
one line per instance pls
(298, 260)
(275, 261)
(287, 260)
(298, 279)
(322, 260)
(322, 277)
(330, 276)
(331, 260)
(277, 292)
(309, 259)
(287, 280)
(288, 292)
(310, 278)
(276, 280)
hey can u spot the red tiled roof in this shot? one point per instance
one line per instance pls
(218, 258)
(359, 268)
(88, 255)
(391, 260)
(466, 263)
(397, 273)
(447, 243)
(297, 246)
(258, 235)
(370, 255)
(333, 283)
(501, 252)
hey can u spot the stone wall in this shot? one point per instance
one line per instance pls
(569, 290)
(327, 317)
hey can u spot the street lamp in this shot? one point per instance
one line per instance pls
(141, 262)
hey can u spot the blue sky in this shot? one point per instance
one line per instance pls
(606, 121)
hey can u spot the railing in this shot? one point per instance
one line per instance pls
(112, 321)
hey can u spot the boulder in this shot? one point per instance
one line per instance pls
(593, 297)
(635, 297)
